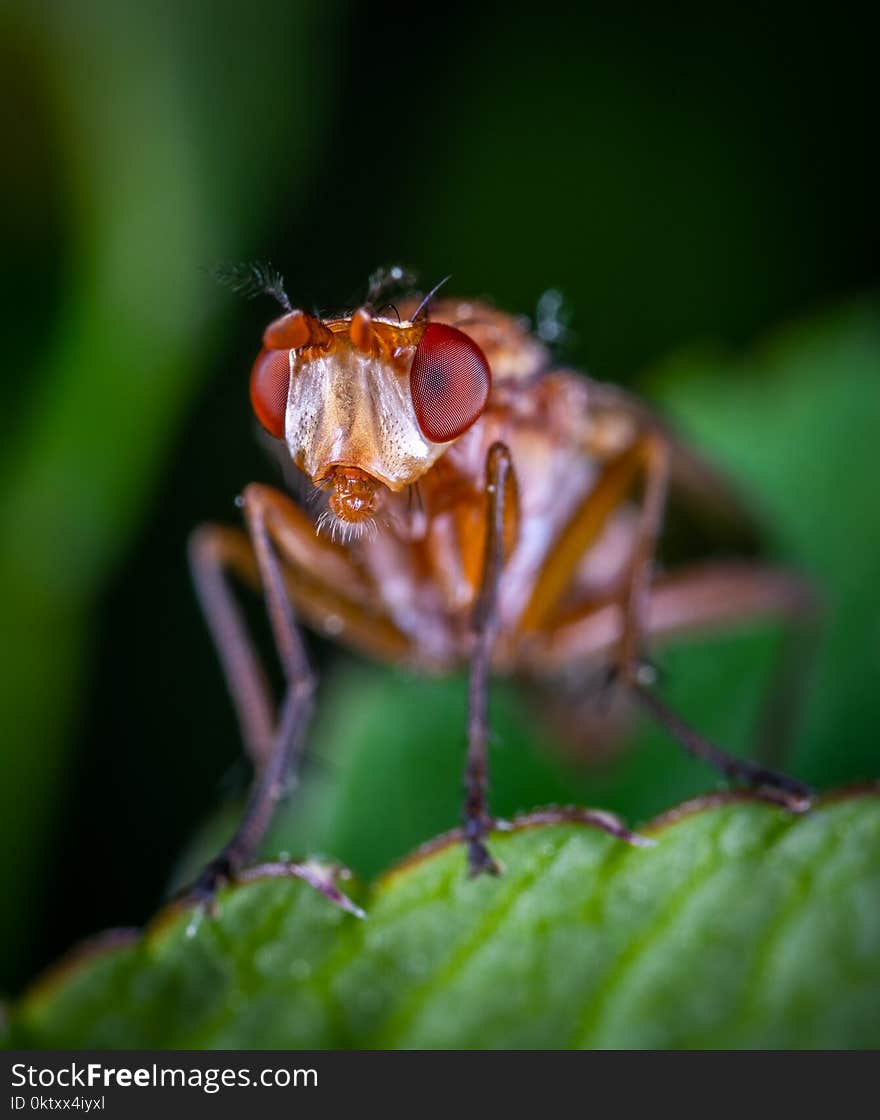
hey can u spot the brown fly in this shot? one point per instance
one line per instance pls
(475, 506)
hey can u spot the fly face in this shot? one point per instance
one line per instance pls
(366, 404)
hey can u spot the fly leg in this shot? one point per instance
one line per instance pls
(500, 536)
(647, 458)
(629, 657)
(637, 674)
(216, 553)
(276, 751)
(686, 602)
(278, 531)
(500, 507)
(789, 792)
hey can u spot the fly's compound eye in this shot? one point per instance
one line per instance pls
(270, 380)
(449, 381)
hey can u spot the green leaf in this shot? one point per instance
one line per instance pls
(742, 927)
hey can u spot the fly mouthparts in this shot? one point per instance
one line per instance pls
(354, 496)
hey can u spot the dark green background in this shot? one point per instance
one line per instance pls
(686, 176)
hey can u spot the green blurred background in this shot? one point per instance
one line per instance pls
(701, 185)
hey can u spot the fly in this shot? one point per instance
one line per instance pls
(529, 547)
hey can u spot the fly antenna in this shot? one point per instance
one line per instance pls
(253, 278)
(428, 298)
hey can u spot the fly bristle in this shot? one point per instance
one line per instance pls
(344, 532)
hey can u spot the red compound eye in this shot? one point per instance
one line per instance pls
(270, 379)
(449, 381)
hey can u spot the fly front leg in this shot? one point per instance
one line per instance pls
(500, 528)
(277, 753)
(216, 553)
(283, 556)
